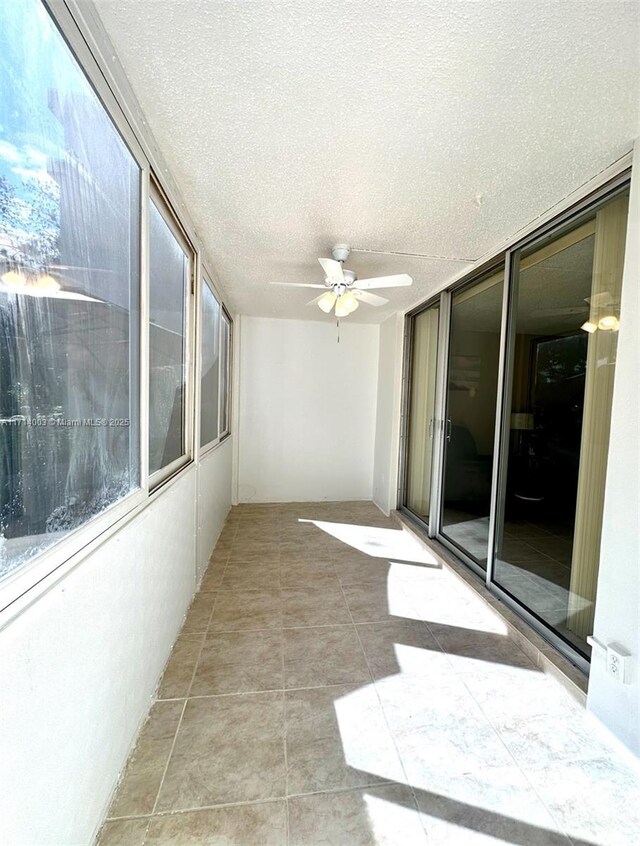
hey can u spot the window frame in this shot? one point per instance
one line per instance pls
(157, 197)
(83, 33)
(226, 396)
(482, 275)
(36, 570)
(205, 280)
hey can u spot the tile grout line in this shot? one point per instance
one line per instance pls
(384, 717)
(166, 766)
(109, 820)
(521, 769)
(172, 812)
(281, 628)
(284, 723)
(204, 634)
(262, 690)
(286, 763)
(391, 734)
(184, 706)
(353, 625)
(498, 734)
(159, 700)
(461, 678)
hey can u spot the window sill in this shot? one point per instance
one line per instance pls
(213, 446)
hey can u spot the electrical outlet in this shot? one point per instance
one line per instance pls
(617, 662)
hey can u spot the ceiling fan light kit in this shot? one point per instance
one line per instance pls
(327, 301)
(346, 304)
(343, 290)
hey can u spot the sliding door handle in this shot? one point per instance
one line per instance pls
(448, 428)
(431, 428)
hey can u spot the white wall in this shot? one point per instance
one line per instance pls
(214, 492)
(307, 410)
(385, 466)
(80, 666)
(617, 616)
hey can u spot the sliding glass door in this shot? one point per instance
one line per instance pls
(470, 416)
(565, 314)
(508, 415)
(421, 412)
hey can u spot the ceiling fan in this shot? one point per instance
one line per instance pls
(343, 289)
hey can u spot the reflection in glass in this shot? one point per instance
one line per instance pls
(69, 256)
(169, 273)
(422, 411)
(210, 347)
(564, 353)
(474, 351)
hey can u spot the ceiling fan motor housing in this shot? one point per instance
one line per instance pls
(339, 288)
(341, 252)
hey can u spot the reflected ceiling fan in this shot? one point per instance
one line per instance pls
(342, 288)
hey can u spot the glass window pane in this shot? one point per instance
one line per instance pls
(69, 281)
(225, 358)
(472, 386)
(422, 411)
(564, 354)
(210, 364)
(168, 285)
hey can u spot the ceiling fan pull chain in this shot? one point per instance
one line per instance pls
(338, 328)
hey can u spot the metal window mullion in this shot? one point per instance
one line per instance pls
(199, 284)
(503, 408)
(229, 372)
(404, 409)
(145, 265)
(205, 282)
(190, 357)
(440, 406)
(166, 212)
(220, 382)
(196, 379)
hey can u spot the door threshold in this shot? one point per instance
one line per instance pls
(543, 654)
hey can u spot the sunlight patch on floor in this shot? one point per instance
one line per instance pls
(448, 604)
(377, 542)
(412, 660)
(482, 797)
(366, 742)
(399, 600)
(387, 820)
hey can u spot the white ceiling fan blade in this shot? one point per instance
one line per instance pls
(300, 285)
(332, 269)
(315, 300)
(370, 299)
(384, 282)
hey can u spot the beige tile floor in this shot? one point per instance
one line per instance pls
(335, 685)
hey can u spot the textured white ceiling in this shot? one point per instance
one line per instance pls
(428, 127)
